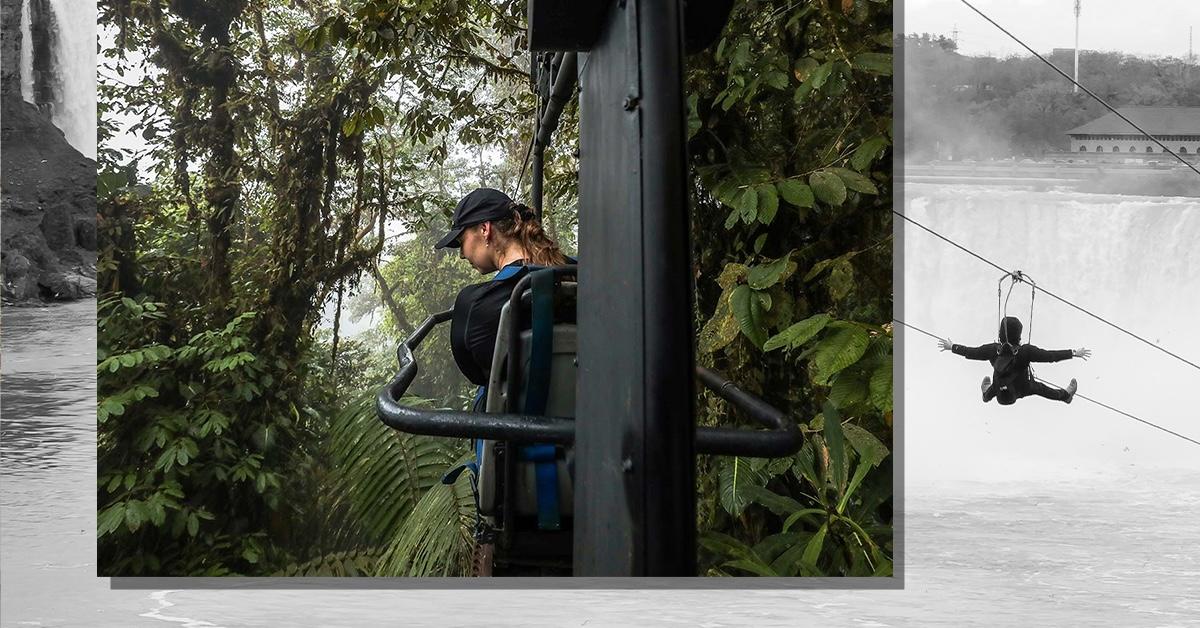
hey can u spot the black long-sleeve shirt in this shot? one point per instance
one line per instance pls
(476, 317)
(1024, 356)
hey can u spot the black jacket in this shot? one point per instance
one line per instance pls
(1017, 368)
(475, 321)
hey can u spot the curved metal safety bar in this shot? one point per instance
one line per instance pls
(453, 423)
(783, 439)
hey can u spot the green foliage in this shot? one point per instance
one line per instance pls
(169, 435)
(436, 539)
(789, 136)
(383, 473)
(284, 142)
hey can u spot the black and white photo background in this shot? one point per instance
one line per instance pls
(1080, 511)
(1038, 513)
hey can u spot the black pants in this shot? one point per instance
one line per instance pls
(1024, 389)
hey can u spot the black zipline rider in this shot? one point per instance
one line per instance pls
(1012, 376)
(1012, 373)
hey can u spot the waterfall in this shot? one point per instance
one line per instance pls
(26, 64)
(74, 110)
(58, 66)
(1130, 259)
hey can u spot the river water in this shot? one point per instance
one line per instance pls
(1069, 532)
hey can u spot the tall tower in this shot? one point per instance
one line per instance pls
(1075, 88)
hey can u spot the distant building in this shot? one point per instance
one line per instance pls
(1176, 127)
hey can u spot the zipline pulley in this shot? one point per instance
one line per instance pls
(1015, 277)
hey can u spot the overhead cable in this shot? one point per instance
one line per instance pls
(1099, 403)
(1051, 294)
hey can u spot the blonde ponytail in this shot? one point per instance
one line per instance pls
(525, 229)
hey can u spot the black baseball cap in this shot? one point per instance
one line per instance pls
(479, 206)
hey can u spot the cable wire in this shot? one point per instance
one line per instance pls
(1051, 294)
(1099, 403)
(1080, 86)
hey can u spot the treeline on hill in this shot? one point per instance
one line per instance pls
(959, 106)
(299, 160)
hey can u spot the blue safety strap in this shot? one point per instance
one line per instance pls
(537, 391)
(452, 475)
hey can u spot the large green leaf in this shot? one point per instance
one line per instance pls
(781, 505)
(870, 450)
(849, 387)
(744, 311)
(383, 472)
(795, 192)
(736, 475)
(748, 205)
(790, 561)
(693, 121)
(855, 181)
(828, 187)
(774, 545)
(867, 152)
(805, 465)
(812, 551)
(799, 333)
(766, 275)
(837, 350)
(874, 62)
(835, 441)
(881, 386)
(768, 203)
(820, 74)
(724, 545)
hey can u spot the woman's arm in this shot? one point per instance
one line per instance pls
(983, 352)
(1037, 354)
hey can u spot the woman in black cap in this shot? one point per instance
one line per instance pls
(492, 232)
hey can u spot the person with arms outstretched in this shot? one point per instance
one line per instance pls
(1011, 377)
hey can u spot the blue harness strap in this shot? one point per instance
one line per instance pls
(537, 391)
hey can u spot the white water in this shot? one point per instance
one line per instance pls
(75, 61)
(26, 54)
(1132, 260)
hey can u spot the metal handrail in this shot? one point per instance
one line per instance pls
(782, 439)
(454, 423)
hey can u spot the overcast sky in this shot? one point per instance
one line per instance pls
(1150, 28)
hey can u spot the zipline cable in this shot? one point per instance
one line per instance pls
(1051, 294)
(1099, 403)
(1080, 86)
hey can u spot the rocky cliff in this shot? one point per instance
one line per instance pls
(48, 209)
